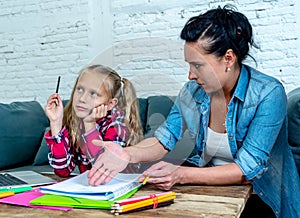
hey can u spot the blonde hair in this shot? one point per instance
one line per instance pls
(116, 87)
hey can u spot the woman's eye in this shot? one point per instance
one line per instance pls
(197, 66)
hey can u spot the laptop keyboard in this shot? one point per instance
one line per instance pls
(7, 180)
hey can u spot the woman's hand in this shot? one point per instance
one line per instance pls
(162, 175)
(96, 114)
(113, 160)
(54, 110)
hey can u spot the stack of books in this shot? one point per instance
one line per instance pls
(143, 203)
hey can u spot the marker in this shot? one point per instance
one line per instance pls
(21, 189)
(5, 192)
(146, 180)
(57, 86)
(16, 189)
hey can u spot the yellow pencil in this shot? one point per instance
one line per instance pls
(146, 180)
(148, 202)
(123, 210)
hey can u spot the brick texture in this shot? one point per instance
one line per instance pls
(40, 40)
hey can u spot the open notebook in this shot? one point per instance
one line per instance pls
(22, 179)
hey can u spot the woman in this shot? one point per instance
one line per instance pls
(235, 115)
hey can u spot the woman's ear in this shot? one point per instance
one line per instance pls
(229, 58)
(112, 103)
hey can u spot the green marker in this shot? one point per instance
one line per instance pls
(16, 190)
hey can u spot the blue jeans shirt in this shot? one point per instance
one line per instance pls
(257, 134)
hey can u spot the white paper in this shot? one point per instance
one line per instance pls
(78, 187)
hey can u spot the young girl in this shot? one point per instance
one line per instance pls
(102, 106)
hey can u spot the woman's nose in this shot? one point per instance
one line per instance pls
(191, 75)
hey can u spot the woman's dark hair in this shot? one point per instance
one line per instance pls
(221, 29)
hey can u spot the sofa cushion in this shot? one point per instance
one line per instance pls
(143, 103)
(41, 157)
(21, 130)
(158, 110)
(294, 124)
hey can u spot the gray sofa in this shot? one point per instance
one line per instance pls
(23, 125)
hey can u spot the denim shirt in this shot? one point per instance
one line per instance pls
(256, 125)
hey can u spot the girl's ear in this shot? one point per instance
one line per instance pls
(112, 103)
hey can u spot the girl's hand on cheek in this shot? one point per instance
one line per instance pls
(100, 111)
(96, 114)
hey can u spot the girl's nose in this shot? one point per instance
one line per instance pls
(83, 97)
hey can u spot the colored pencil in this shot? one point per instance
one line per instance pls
(153, 202)
(136, 199)
(162, 204)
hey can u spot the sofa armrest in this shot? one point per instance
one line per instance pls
(21, 130)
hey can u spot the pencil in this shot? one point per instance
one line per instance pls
(146, 180)
(57, 86)
(162, 204)
(143, 205)
(137, 199)
(148, 202)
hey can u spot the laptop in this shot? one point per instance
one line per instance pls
(20, 179)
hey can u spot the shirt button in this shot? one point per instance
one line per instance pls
(261, 194)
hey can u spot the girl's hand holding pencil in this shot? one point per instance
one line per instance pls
(54, 110)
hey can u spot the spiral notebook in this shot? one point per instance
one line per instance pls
(78, 187)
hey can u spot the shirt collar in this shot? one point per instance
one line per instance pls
(242, 85)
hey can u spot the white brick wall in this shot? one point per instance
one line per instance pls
(40, 40)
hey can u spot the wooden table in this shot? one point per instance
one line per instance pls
(191, 201)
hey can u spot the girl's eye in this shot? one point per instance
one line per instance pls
(79, 89)
(94, 94)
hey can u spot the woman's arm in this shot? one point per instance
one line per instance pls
(115, 158)
(164, 175)
(149, 149)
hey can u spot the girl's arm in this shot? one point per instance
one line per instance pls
(54, 110)
(61, 157)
